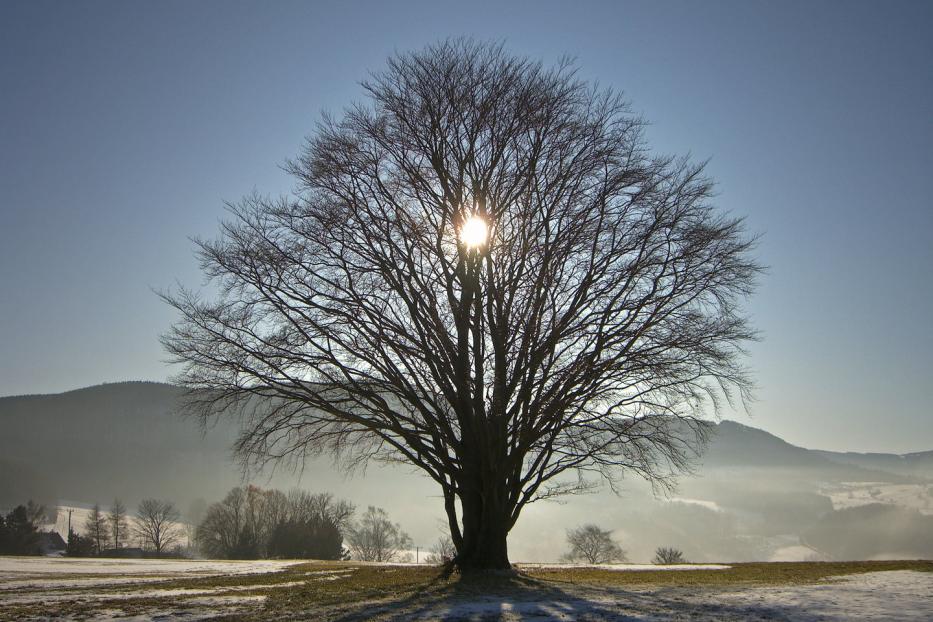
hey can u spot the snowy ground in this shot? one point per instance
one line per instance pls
(894, 595)
(625, 567)
(20, 567)
(47, 588)
(91, 589)
(897, 595)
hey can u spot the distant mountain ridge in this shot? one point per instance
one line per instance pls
(918, 464)
(124, 439)
(736, 444)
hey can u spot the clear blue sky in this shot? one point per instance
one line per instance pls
(124, 126)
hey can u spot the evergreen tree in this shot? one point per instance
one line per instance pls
(78, 545)
(97, 528)
(20, 534)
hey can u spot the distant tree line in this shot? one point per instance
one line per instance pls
(255, 523)
(248, 523)
(156, 528)
(252, 523)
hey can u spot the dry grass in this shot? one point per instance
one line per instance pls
(766, 573)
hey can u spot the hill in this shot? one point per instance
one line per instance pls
(114, 440)
(736, 445)
(754, 496)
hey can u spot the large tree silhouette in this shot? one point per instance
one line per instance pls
(483, 272)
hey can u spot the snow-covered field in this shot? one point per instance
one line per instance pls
(50, 567)
(625, 567)
(49, 587)
(92, 589)
(893, 595)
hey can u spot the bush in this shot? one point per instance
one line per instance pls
(443, 552)
(668, 555)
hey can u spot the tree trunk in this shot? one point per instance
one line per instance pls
(486, 522)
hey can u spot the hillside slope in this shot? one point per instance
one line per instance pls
(754, 496)
(115, 440)
(125, 439)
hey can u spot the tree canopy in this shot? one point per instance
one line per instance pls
(485, 273)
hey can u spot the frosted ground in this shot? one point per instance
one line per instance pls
(92, 589)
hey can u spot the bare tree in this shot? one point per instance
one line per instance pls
(306, 507)
(593, 545)
(234, 528)
(97, 529)
(483, 273)
(443, 551)
(157, 524)
(249, 522)
(220, 533)
(375, 538)
(668, 555)
(118, 524)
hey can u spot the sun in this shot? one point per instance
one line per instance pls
(474, 232)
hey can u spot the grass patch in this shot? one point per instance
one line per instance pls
(763, 573)
(364, 583)
(95, 607)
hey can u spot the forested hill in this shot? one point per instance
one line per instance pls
(113, 440)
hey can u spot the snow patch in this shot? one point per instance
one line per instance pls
(13, 567)
(891, 595)
(627, 567)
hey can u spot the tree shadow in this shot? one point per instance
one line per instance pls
(506, 597)
(484, 597)
(520, 597)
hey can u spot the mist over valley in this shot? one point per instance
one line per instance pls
(753, 497)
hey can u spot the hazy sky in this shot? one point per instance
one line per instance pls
(124, 126)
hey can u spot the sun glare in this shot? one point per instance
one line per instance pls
(474, 232)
